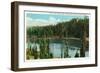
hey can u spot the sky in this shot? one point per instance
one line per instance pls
(44, 19)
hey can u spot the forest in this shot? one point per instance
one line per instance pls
(72, 28)
(75, 28)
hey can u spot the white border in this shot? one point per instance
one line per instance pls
(56, 62)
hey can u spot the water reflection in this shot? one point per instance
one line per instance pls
(56, 48)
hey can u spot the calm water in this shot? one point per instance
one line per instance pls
(57, 48)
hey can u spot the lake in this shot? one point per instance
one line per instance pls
(61, 48)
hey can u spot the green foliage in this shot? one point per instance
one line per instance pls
(77, 54)
(72, 28)
(32, 53)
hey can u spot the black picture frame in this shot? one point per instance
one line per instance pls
(15, 33)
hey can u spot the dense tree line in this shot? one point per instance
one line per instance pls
(78, 28)
(72, 28)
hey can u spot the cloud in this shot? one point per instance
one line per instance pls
(42, 22)
(53, 20)
(36, 22)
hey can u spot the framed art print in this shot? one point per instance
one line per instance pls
(52, 36)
